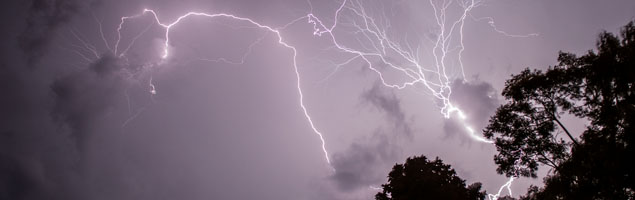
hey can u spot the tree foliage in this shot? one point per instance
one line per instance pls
(598, 87)
(420, 178)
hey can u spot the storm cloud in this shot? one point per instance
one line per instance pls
(358, 166)
(478, 100)
(48, 145)
(44, 17)
(75, 128)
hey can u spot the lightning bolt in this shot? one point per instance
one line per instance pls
(440, 88)
(383, 46)
(275, 31)
(380, 48)
(492, 24)
(507, 185)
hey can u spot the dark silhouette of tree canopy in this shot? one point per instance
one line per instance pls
(420, 178)
(598, 87)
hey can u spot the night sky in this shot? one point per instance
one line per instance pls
(85, 115)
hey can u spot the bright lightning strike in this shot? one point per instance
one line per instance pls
(434, 78)
(440, 87)
(507, 185)
(233, 17)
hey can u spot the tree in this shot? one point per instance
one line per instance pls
(598, 87)
(420, 178)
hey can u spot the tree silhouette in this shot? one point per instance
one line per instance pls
(420, 178)
(598, 87)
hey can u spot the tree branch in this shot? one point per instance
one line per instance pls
(551, 162)
(555, 118)
(565, 129)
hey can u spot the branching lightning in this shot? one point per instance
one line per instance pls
(233, 17)
(378, 49)
(507, 185)
(439, 88)
(383, 46)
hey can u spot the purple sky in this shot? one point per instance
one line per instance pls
(75, 125)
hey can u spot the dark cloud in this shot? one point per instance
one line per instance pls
(43, 19)
(357, 167)
(49, 124)
(362, 164)
(35, 166)
(477, 99)
(35, 155)
(85, 95)
(387, 102)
